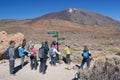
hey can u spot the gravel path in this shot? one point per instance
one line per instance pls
(57, 72)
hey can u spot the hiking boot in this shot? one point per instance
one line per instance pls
(13, 74)
(44, 73)
(40, 71)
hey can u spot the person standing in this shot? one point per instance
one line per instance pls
(46, 47)
(67, 51)
(86, 54)
(57, 48)
(21, 54)
(42, 56)
(33, 57)
(12, 57)
(53, 54)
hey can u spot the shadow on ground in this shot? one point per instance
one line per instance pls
(18, 68)
(118, 54)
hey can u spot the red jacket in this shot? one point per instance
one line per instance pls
(34, 51)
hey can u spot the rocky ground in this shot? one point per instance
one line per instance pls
(102, 68)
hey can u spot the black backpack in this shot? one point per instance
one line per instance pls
(41, 53)
(6, 54)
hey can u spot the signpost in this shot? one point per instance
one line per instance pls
(61, 38)
(53, 32)
(56, 34)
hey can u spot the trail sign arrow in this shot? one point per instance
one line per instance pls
(53, 32)
(61, 38)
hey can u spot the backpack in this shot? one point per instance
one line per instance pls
(6, 54)
(41, 53)
(85, 54)
(52, 53)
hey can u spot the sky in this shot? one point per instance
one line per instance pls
(27, 9)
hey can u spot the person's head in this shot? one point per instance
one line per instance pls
(12, 43)
(32, 46)
(52, 46)
(68, 46)
(54, 42)
(85, 47)
(65, 45)
(46, 42)
(43, 45)
(20, 45)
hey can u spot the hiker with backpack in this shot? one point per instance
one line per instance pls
(11, 52)
(67, 51)
(33, 57)
(43, 59)
(86, 54)
(21, 54)
(53, 54)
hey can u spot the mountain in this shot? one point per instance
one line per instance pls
(71, 17)
(81, 17)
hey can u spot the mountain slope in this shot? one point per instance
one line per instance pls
(80, 17)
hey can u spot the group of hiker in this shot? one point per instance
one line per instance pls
(43, 53)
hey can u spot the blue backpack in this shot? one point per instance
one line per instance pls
(52, 53)
(85, 54)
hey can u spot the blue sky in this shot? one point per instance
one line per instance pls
(25, 9)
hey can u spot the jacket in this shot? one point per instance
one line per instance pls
(67, 50)
(11, 53)
(21, 52)
(34, 51)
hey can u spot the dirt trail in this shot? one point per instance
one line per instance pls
(53, 72)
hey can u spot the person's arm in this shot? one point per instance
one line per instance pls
(89, 53)
(64, 51)
(81, 53)
(19, 52)
(57, 52)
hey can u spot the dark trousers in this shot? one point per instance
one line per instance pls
(11, 66)
(85, 61)
(57, 57)
(53, 60)
(22, 61)
(68, 59)
(33, 64)
(42, 65)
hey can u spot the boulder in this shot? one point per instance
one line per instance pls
(6, 38)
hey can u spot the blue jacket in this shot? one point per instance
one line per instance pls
(21, 52)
